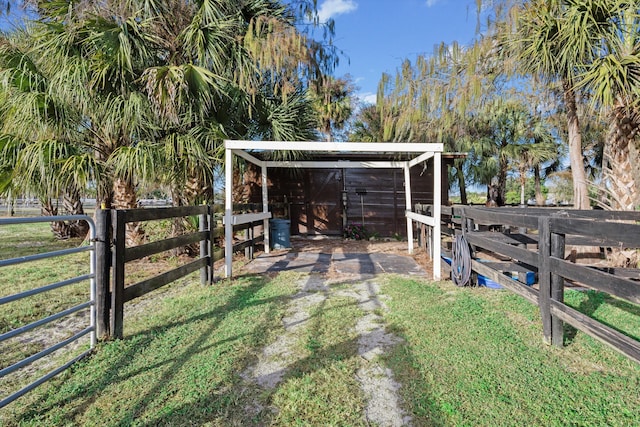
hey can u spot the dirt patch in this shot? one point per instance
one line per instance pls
(338, 245)
(331, 245)
(382, 401)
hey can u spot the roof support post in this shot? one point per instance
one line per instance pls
(228, 212)
(407, 195)
(265, 207)
(437, 202)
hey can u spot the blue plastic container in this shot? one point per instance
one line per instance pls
(486, 282)
(280, 233)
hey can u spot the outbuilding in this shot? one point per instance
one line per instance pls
(334, 184)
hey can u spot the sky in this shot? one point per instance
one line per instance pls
(377, 35)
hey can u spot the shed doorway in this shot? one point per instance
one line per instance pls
(322, 209)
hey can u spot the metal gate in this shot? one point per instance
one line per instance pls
(90, 305)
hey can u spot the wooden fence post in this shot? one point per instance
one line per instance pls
(210, 240)
(247, 249)
(204, 271)
(117, 290)
(557, 289)
(251, 237)
(467, 225)
(544, 277)
(103, 265)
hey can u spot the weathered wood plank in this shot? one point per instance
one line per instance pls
(618, 286)
(606, 233)
(616, 340)
(203, 226)
(118, 265)
(514, 286)
(571, 240)
(152, 248)
(573, 213)
(247, 243)
(509, 266)
(218, 254)
(509, 238)
(629, 273)
(242, 227)
(511, 251)
(557, 288)
(490, 216)
(544, 278)
(146, 286)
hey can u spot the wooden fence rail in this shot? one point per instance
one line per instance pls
(535, 241)
(113, 256)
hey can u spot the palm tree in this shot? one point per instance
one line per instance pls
(37, 167)
(609, 31)
(332, 101)
(541, 45)
(141, 73)
(367, 126)
(529, 155)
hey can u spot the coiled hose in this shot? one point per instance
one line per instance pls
(461, 261)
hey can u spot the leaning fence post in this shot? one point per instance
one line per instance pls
(203, 247)
(103, 264)
(557, 289)
(117, 290)
(544, 277)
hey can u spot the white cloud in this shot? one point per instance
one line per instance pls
(331, 8)
(367, 97)
(432, 2)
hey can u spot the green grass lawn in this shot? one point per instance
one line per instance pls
(469, 357)
(476, 357)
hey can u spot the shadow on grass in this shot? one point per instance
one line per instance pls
(90, 388)
(252, 402)
(591, 304)
(228, 398)
(415, 391)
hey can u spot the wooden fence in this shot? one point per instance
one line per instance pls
(113, 255)
(535, 241)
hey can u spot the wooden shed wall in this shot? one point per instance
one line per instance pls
(315, 197)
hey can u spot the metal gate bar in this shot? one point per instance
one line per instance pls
(89, 304)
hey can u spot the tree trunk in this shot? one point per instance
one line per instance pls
(462, 185)
(196, 191)
(72, 205)
(502, 183)
(492, 195)
(540, 199)
(580, 192)
(124, 197)
(59, 228)
(104, 189)
(177, 224)
(621, 163)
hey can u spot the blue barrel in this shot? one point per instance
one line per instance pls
(279, 230)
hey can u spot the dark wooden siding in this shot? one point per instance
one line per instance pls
(315, 197)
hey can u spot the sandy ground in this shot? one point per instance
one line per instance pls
(381, 391)
(331, 245)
